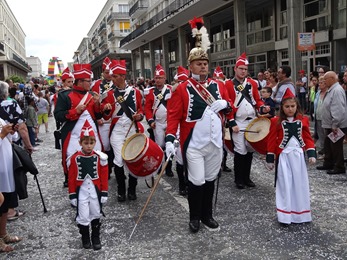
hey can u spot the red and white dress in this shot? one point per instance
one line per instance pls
(288, 140)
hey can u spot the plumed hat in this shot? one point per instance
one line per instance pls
(118, 67)
(159, 71)
(202, 41)
(242, 60)
(182, 74)
(87, 130)
(82, 71)
(66, 74)
(106, 64)
(218, 73)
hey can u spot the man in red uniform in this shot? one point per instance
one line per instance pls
(243, 92)
(155, 109)
(74, 107)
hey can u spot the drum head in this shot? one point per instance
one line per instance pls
(133, 146)
(259, 125)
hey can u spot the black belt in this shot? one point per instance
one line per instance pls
(249, 118)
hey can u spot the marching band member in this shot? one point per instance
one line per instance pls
(102, 87)
(88, 186)
(155, 109)
(289, 137)
(74, 107)
(124, 105)
(244, 94)
(196, 107)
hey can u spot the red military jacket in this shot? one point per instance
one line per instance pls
(186, 107)
(151, 98)
(281, 132)
(93, 165)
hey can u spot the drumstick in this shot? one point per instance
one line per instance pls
(250, 131)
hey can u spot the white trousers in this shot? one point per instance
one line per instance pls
(159, 134)
(292, 189)
(204, 164)
(104, 131)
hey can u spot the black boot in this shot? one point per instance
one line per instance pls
(195, 194)
(206, 213)
(84, 231)
(168, 169)
(224, 162)
(247, 170)
(120, 177)
(182, 185)
(132, 188)
(110, 157)
(66, 183)
(96, 234)
(238, 165)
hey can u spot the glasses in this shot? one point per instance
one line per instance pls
(320, 71)
(86, 80)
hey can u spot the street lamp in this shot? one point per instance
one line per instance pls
(77, 56)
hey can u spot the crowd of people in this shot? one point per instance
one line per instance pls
(95, 118)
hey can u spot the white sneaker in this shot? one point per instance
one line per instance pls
(35, 149)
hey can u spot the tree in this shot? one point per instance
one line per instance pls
(16, 79)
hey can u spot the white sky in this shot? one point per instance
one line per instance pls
(55, 28)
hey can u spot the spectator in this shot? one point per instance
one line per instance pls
(285, 82)
(301, 85)
(333, 118)
(265, 94)
(31, 120)
(42, 111)
(261, 80)
(313, 88)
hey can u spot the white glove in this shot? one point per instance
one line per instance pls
(218, 105)
(169, 149)
(269, 166)
(311, 160)
(103, 200)
(73, 202)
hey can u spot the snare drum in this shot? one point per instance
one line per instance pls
(142, 156)
(257, 134)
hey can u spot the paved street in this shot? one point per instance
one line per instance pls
(249, 228)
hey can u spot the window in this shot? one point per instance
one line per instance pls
(341, 14)
(223, 37)
(315, 15)
(256, 63)
(283, 20)
(124, 27)
(173, 45)
(123, 8)
(259, 26)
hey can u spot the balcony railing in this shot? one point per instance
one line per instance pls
(160, 16)
(140, 4)
(102, 27)
(117, 15)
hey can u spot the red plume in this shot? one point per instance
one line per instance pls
(193, 23)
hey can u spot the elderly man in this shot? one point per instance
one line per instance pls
(333, 119)
(198, 106)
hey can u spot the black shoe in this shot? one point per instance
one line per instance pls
(226, 169)
(183, 192)
(250, 184)
(335, 172)
(65, 184)
(121, 197)
(194, 225)
(324, 167)
(284, 225)
(169, 173)
(132, 196)
(210, 223)
(240, 186)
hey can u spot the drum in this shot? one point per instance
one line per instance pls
(257, 132)
(142, 156)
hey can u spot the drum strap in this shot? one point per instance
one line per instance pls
(121, 100)
(202, 91)
(159, 99)
(243, 89)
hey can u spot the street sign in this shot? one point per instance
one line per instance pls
(306, 41)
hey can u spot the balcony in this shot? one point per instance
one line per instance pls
(102, 28)
(138, 8)
(116, 16)
(2, 49)
(102, 44)
(159, 17)
(117, 33)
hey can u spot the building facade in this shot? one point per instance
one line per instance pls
(112, 25)
(12, 45)
(36, 67)
(267, 30)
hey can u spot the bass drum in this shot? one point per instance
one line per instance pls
(142, 156)
(257, 134)
(228, 142)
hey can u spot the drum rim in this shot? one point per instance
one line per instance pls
(136, 157)
(252, 123)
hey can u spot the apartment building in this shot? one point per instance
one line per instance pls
(267, 30)
(112, 25)
(12, 45)
(36, 67)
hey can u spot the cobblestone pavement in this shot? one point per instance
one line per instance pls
(249, 228)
